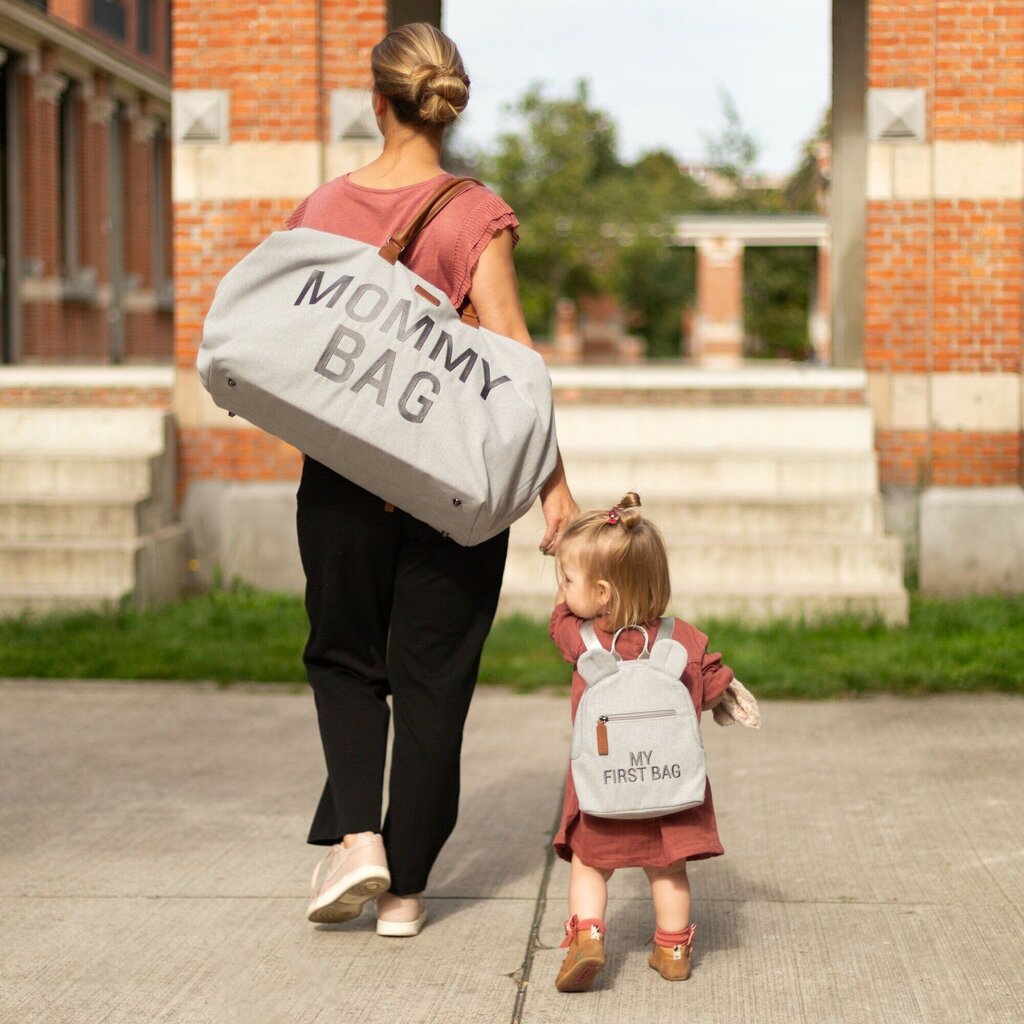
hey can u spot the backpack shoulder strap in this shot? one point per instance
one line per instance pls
(665, 630)
(431, 207)
(589, 636)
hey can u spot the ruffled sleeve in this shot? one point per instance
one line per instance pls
(715, 675)
(295, 218)
(490, 215)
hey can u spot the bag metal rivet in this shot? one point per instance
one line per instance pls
(231, 383)
(456, 502)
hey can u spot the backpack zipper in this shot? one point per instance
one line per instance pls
(625, 716)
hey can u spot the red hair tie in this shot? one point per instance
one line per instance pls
(614, 515)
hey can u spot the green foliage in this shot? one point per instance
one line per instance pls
(592, 224)
(968, 645)
(226, 635)
(777, 287)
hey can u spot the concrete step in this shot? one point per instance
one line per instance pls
(726, 473)
(889, 604)
(857, 515)
(94, 474)
(49, 517)
(153, 565)
(713, 563)
(16, 601)
(65, 430)
(656, 428)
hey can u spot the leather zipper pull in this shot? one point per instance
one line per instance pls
(602, 736)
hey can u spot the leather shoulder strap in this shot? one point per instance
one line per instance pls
(431, 207)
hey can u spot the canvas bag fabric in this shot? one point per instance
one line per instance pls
(337, 348)
(636, 744)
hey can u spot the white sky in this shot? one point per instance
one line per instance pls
(655, 65)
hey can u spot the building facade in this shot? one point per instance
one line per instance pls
(942, 172)
(85, 182)
(924, 252)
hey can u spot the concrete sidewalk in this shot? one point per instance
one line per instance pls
(152, 869)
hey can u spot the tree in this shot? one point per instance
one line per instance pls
(592, 224)
(733, 151)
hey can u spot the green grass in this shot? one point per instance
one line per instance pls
(969, 645)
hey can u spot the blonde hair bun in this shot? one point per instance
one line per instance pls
(440, 93)
(419, 69)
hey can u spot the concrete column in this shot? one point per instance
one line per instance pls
(718, 326)
(848, 193)
(820, 327)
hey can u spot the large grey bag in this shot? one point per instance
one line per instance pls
(345, 353)
(636, 743)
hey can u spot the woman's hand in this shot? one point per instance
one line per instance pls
(558, 506)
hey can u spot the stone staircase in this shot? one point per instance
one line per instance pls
(88, 509)
(769, 510)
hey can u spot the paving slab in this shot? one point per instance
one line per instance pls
(152, 868)
(873, 873)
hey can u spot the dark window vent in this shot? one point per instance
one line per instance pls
(109, 17)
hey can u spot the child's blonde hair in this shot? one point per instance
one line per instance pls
(620, 546)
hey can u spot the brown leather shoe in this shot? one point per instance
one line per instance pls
(673, 962)
(585, 957)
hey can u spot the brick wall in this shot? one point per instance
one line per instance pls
(266, 56)
(944, 274)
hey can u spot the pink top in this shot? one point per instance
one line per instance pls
(446, 251)
(644, 842)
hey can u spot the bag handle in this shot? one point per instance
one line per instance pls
(432, 206)
(589, 636)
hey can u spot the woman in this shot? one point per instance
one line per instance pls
(395, 607)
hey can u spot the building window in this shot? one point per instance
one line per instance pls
(109, 16)
(160, 214)
(67, 170)
(144, 14)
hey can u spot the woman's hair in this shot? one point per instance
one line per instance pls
(620, 546)
(418, 68)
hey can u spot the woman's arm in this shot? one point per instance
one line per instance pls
(495, 295)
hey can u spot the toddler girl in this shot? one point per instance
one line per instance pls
(613, 570)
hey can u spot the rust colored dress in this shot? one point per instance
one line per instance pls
(642, 842)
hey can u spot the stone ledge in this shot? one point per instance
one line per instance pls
(86, 386)
(972, 540)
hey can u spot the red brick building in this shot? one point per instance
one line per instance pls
(271, 99)
(85, 200)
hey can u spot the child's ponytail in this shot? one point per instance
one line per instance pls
(630, 515)
(623, 547)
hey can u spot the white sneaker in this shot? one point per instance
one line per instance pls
(346, 878)
(400, 917)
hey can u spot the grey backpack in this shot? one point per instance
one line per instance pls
(636, 743)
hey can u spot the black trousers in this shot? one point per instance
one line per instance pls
(394, 608)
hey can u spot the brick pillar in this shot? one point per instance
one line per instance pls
(718, 326)
(276, 70)
(40, 208)
(943, 310)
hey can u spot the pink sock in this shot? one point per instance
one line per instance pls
(667, 939)
(575, 925)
